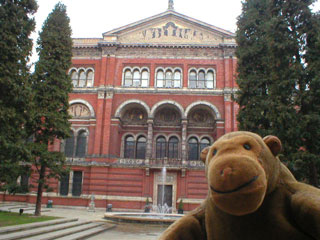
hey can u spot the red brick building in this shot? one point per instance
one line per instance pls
(147, 95)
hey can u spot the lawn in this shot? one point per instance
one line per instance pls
(10, 218)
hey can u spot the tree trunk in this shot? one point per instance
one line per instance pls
(40, 190)
(313, 174)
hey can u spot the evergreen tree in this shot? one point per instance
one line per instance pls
(289, 32)
(51, 87)
(16, 24)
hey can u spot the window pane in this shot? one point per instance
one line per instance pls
(201, 80)
(128, 78)
(64, 185)
(173, 147)
(69, 146)
(136, 78)
(145, 79)
(81, 144)
(160, 78)
(90, 78)
(204, 143)
(129, 147)
(161, 147)
(177, 79)
(82, 79)
(141, 148)
(77, 183)
(74, 78)
(192, 79)
(209, 78)
(193, 149)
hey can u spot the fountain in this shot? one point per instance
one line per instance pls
(161, 213)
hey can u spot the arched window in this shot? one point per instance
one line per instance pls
(201, 79)
(82, 79)
(74, 77)
(168, 80)
(193, 79)
(161, 147)
(210, 79)
(205, 142)
(81, 144)
(129, 147)
(177, 79)
(193, 149)
(128, 78)
(144, 78)
(89, 78)
(69, 146)
(160, 78)
(136, 77)
(141, 148)
(173, 147)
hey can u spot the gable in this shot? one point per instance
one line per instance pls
(169, 28)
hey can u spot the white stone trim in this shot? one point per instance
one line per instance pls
(210, 105)
(122, 105)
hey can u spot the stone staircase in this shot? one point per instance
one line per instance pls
(60, 229)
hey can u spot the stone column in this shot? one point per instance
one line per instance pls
(149, 139)
(184, 141)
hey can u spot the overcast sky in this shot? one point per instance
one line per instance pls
(91, 18)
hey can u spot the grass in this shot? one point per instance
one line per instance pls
(10, 218)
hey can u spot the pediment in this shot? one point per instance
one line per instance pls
(169, 28)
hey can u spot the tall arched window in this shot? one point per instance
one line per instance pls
(193, 79)
(173, 147)
(210, 79)
(177, 79)
(82, 79)
(205, 142)
(144, 78)
(141, 148)
(129, 147)
(201, 79)
(168, 79)
(127, 78)
(89, 78)
(161, 147)
(160, 78)
(193, 149)
(69, 146)
(74, 78)
(81, 144)
(136, 78)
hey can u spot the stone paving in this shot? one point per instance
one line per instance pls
(121, 231)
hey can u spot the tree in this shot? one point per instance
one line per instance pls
(51, 87)
(15, 48)
(275, 77)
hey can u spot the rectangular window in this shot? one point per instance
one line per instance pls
(64, 185)
(77, 183)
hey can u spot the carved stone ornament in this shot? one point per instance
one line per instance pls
(134, 116)
(79, 110)
(201, 117)
(167, 117)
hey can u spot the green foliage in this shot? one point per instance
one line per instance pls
(10, 219)
(51, 88)
(16, 24)
(278, 64)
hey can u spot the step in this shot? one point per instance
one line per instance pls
(65, 232)
(16, 228)
(87, 233)
(10, 208)
(41, 230)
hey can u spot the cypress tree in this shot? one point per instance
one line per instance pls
(290, 34)
(51, 87)
(16, 25)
